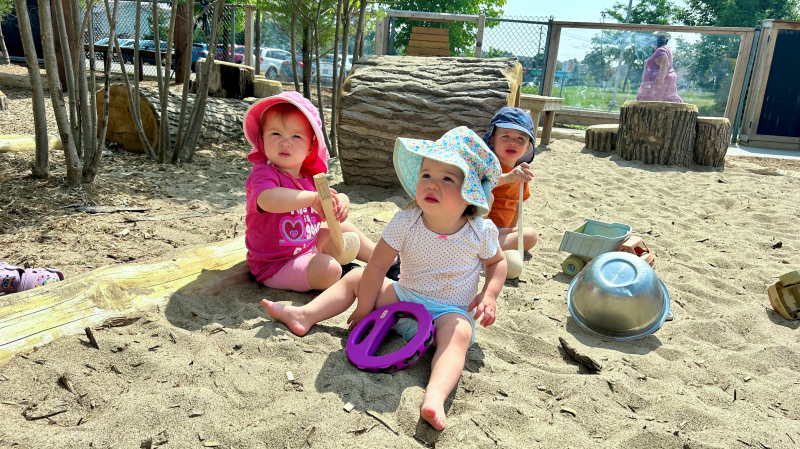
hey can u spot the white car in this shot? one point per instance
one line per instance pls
(271, 60)
(326, 64)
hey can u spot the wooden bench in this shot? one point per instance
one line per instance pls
(427, 41)
(536, 104)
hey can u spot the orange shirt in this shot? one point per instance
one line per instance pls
(506, 197)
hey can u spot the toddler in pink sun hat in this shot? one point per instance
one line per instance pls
(284, 215)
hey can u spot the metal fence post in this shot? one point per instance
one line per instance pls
(248, 34)
(258, 43)
(479, 37)
(232, 53)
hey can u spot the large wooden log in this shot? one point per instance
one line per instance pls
(657, 132)
(602, 137)
(711, 144)
(222, 121)
(387, 97)
(36, 317)
(227, 80)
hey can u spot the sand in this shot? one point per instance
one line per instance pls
(723, 374)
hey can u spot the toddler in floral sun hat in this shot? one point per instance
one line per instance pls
(283, 210)
(443, 244)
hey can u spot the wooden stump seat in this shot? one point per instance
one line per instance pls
(657, 132)
(263, 88)
(227, 80)
(602, 137)
(711, 144)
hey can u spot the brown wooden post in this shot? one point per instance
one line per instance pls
(67, 7)
(183, 21)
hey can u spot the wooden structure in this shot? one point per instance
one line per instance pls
(263, 88)
(36, 317)
(771, 117)
(536, 104)
(382, 30)
(427, 41)
(711, 143)
(602, 137)
(222, 120)
(387, 97)
(227, 80)
(657, 132)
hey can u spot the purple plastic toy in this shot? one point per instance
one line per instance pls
(361, 349)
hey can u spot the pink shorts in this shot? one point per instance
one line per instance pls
(294, 275)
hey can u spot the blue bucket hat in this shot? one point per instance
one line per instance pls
(514, 118)
(460, 147)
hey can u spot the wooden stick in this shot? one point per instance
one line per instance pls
(519, 221)
(321, 182)
(64, 379)
(583, 359)
(90, 335)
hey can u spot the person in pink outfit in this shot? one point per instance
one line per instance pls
(284, 215)
(659, 81)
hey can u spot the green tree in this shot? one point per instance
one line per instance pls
(5, 8)
(462, 34)
(653, 12)
(736, 13)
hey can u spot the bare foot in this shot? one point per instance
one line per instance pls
(288, 315)
(433, 412)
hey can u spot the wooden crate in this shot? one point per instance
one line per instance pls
(428, 42)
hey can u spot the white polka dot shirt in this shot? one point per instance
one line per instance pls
(442, 267)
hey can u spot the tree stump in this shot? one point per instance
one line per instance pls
(387, 97)
(263, 88)
(222, 121)
(227, 80)
(602, 137)
(657, 132)
(711, 144)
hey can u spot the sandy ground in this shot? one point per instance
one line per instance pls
(213, 370)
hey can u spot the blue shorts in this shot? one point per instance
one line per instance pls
(407, 327)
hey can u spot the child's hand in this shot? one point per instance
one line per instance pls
(486, 306)
(317, 206)
(522, 172)
(341, 205)
(356, 317)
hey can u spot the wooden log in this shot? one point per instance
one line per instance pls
(602, 137)
(36, 317)
(12, 143)
(387, 97)
(263, 88)
(227, 80)
(711, 144)
(657, 132)
(222, 121)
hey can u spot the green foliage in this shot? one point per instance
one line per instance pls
(163, 23)
(652, 12)
(496, 53)
(737, 13)
(280, 12)
(462, 34)
(5, 7)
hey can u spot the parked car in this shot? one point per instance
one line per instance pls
(150, 45)
(286, 66)
(199, 50)
(238, 55)
(104, 42)
(271, 60)
(326, 65)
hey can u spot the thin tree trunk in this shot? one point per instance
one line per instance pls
(4, 59)
(134, 101)
(319, 84)
(362, 18)
(335, 77)
(199, 109)
(184, 93)
(307, 50)
(293, 46)
(92, 84)
(66, 56)
(163, 84)
(57, 95)
(85, 117)
(92, 164)
(40, 163)
(346, 14)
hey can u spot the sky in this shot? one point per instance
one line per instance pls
(575, 43)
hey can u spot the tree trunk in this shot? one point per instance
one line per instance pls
(222, 122)
(40, 163)
(335, 78)
(34, 317)
(263, 88)
(4, 59)
(293, 46)
(163, 87)
(602, 137)
(227, 80)
(358, 51)
(711, 145)
(184, 90)
(307, 47)
(421, 97)
(57, 95)
(657, 132)
(60, 27)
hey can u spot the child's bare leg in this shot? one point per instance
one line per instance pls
(508, 238)
(323, 271)
(453, 333)
(333, 301)
(364, 251)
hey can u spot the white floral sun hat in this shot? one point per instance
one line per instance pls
(460, 147)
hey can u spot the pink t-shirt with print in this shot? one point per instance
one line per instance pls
(272, 240)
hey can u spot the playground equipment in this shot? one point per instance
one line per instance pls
(784, 295)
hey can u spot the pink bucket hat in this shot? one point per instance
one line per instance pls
(317, 160)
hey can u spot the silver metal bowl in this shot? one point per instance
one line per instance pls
(618, 295)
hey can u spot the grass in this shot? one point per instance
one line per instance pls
(595, 98)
